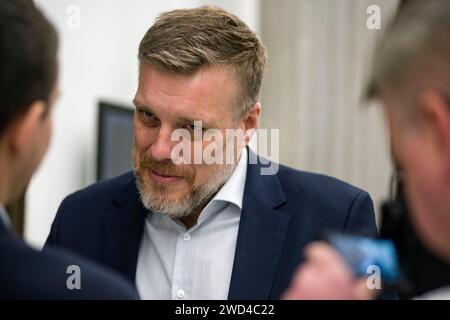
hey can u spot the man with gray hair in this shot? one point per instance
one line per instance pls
(411, 78)
(204, 230)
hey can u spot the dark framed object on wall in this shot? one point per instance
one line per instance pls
(114, 140)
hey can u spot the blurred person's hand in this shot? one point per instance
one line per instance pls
(324, 275)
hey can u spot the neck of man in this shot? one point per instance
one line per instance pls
(192, 219)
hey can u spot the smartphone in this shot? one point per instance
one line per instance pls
(364, 255)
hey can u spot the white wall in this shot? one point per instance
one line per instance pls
(97, 61)
(320, 53)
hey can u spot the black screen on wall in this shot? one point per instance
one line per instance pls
(115, 138)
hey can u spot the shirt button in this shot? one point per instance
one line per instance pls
(180, 294)
(186, 237)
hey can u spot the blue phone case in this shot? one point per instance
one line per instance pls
(362, 254)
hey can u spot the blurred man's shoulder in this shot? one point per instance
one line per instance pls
(55, 274)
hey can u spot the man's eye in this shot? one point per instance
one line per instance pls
(146, 114)
(148, 118)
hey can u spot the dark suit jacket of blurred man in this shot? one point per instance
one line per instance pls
(28, 274)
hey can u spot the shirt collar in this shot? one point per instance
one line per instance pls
(232, 192)
(4, 216)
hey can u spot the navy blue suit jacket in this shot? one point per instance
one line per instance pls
(28, 274)
(281, 214)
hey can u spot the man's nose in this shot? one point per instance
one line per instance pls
(162, 147)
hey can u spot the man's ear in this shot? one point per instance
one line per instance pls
(24, 129)
(251, 121)
(435, 117)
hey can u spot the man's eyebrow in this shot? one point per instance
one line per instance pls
(205, 124)
(136, 103)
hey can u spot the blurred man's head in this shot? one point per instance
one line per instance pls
(412, 79)
(28, 72)
(201, 64)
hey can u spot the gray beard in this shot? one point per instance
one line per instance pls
(156, 202)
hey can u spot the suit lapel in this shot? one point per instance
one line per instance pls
(261, 236)
(122, 233)
(260, 241)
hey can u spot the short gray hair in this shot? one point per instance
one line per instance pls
(185, 40)
(416, 47)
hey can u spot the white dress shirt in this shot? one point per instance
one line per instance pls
(4, 216)
(176, 263)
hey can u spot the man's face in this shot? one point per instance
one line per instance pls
(166, 102)
(417, 150)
